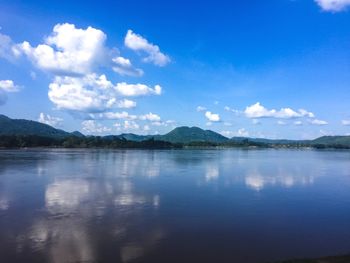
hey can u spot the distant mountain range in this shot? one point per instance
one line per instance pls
(183, 135)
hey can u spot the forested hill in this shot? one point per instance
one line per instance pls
(26, 127)
(27, 133)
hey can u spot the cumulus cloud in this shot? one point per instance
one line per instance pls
(123, 67)
(126, 104)
(92, 127)
(50, 120)
(73, 55)
(127, 125)
(282, 123)
(8, 86)
(68, 50)
(130, 90)
(345, 122)
(90, 93)
(298, 123)
(112, 116)
(150, 117)
(164, 123)
(155, 119)
(259, 111)
(318, 122)
(93, 93)
(333, 5)
(138, 43)
(212, 117)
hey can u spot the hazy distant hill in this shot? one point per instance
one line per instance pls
(25, 127)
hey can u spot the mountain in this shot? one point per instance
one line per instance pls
(191, 134)
(333, 140)
(25, 127)
(77, 134)
(178, 135)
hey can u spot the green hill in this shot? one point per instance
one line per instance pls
(186, 135)
(333, 140)
(192, 134)
(25, 127)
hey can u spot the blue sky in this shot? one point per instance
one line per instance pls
(275, 69)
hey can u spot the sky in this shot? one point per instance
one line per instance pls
(253, 68)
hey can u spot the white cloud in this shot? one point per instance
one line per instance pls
(318, 122)
(123, 67)
(154, 118)
(93, 93)
(164, 123)
(298, 123)
(73, 55)
(281, 123)
(150, 117)
(212, 117)
(8, 86)
(91, 126)
(345, 122)
(258, 111)
(333, 5)
(50, 120)
(201, 108)
(130, 125)
(112, 116)
(138, 43)
(130, 90)
(305, 113)
(239, 133)
(90, 93)
(126, 104)
(68, 50)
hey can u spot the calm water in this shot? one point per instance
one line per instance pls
(173, 206)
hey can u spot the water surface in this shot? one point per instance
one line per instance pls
(244, 206)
